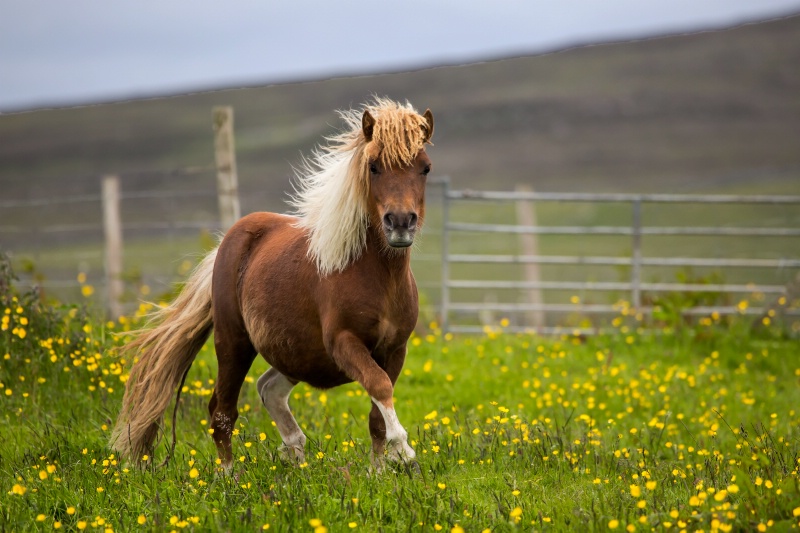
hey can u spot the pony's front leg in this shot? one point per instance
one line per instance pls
(387, 433)
(394, 441)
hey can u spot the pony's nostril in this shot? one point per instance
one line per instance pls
(403, 221)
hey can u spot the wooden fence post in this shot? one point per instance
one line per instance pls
(529, 243)
(112, 228)
(225, 155)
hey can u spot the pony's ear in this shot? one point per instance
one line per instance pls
(367, 125)
(428, 116)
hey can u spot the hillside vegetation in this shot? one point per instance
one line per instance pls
(702, 112)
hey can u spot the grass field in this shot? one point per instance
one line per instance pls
(673, 428)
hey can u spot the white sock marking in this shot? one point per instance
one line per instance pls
(396, 435)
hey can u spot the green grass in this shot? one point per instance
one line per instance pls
(679, 427)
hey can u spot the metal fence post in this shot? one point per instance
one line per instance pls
(636, 254)
(445, 304)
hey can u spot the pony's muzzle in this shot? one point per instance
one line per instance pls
(400, 228)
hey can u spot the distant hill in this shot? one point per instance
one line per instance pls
(717, 111)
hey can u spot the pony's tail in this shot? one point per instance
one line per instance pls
(162, 356)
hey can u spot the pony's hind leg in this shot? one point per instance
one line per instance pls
(235, 354)
(274, 389)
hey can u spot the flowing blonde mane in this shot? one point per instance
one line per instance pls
(333, 184)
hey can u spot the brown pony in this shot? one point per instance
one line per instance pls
(326, 297)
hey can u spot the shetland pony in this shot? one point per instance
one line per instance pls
(326, 296)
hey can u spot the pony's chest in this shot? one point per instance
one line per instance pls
(390, 334)
(395, 324)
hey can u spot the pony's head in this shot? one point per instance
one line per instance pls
(395, 158)
(370, 176)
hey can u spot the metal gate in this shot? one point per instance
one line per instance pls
(635, 261)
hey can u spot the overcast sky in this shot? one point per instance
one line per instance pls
(62, 52)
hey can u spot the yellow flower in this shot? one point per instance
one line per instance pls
(457, 529)
(18, 489)
(193, 473)
(651, 485)
(796, 511)
(352, 525)
(441, 486)
(81, 524)
(142, 519)
(87, 290)
(613, 524)
(70, 510)
(56, 525)
(40, 518)
(636, 491)
(315, 522)
(515, 512)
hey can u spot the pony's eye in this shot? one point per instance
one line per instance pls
(373, 168)
(426, 170)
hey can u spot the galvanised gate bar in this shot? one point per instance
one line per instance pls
(635, 286)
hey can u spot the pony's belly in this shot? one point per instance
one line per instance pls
(296, 352)
(315, 368)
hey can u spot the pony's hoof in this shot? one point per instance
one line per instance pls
(376, 468)
(401, 452)
(292, 454)
(225, 470)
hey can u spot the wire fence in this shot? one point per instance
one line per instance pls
(471, 272)
(540, 259)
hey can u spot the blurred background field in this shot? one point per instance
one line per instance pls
(711, 113)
